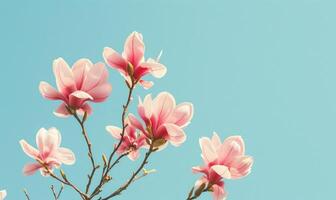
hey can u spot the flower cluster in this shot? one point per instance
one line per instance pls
(160, 121)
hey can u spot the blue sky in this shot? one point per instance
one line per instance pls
(263, 69)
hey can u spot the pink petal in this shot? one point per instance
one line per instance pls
(64, 77)
(134, 122)
(141, 71)
(146, 84)
(86, 108)
(48, 92)
(145, 107)
(29, 150)
(41, 138)
(66, 156)
(62, 111)
(218, 192)
(133, 155)
(164, 105)
(3, 194)
(48, 141)
(198, 169)
(30, 169)
(114, 59)
(222, 170)
(182, 114)
(216, 141)
(176, 134)
(97, 75)
(101, 92)
(78, 97)
(114, 131)
(241, 166)
(79, 70)
(208, 151)
(232, 147)
(134, 48)
(157, 69)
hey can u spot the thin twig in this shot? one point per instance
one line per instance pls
(134, 175)
(26, 194)
(65, 180)
(56, 195)
(89, 146)
(107, 168)
(53, 192)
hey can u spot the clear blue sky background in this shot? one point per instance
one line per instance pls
(264, 69)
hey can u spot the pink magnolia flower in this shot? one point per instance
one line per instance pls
(3, 194)
(163, 119)
(223, 160)
(84, 82)
(49, 152)
(131, 64)
(132, 141)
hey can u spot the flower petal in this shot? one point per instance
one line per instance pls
(62, 111)
(3, 194)
(216, 141)
(164, 105)
(78, 97)
(80, 70)
(232, 147)
(64, 77)
(146, 84)
(208, 151)
(222, 170)
(241, 167)
(182, 114)
(30, 169)
(133, 155)
(134, 48)
(29, 150)
(96, 76)
(114, 131)
(48, 92)
(115, 60)
(135, 122)
(176, 134)
(101, 92)
(218, 192)
(66, 156)
(157, 69)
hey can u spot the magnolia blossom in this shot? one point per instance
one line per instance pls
(132, 141)
(131, 63)
(3, 194)
(163, 119)
(77, 85)
(49, 152)
(225, 160)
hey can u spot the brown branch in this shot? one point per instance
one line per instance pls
(56, 195)
(109, 165)
(194, 194)
(65, 180)
(134, 175)
(89, 146)
(26, 194)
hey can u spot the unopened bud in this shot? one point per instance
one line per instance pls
(200, 189)
(104, 159)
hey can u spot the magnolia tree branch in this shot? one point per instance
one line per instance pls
(134, 176)
(194, 194)
(89, 146)
(56, 195)
(108, 164)
(26, 194)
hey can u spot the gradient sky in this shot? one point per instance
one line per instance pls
(263, 69)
